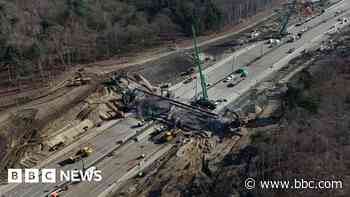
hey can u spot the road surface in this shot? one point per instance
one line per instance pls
(250, 53)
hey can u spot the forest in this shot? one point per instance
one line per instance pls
(37, 34)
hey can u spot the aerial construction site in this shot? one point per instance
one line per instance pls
(259, 91)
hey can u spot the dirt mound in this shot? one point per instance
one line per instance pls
(16, 131)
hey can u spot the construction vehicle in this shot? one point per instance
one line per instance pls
(285, 15)
(285, 19)
(128, 97)
(237, 121)
(203, 101)
(303, 8)
(166, 136)
(82, 153)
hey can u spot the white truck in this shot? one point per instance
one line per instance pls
(274, 42)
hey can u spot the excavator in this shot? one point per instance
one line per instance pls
(82, 153)
(166, 136)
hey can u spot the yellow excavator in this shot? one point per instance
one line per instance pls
(169, 135)
(82, 153)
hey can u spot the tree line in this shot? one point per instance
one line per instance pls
(36, 34)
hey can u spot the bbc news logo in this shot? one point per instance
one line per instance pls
(52, 175)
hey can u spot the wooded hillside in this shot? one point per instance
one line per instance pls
(35, 34)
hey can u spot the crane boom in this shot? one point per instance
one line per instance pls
(198, 63)
(285, 20)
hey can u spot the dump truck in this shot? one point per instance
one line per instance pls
(82, 153)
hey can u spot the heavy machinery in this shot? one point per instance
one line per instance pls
(166, 136)
(203, 101)
(293, 6)
(114, 83)
(128, 97)
(82, 153)
(285, 15)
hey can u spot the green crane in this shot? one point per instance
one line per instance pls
(286, 16)
(204, 100)
(198, 63)
(285, 20)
